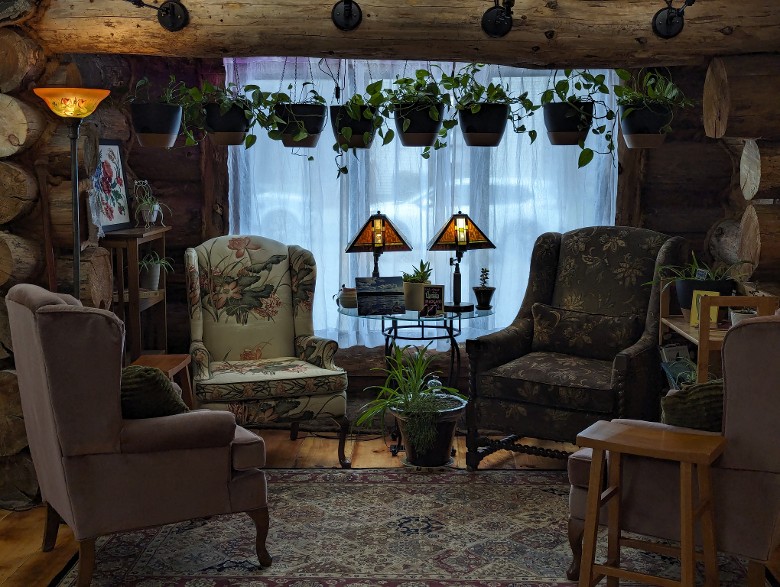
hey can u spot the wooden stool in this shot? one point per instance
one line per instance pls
(688, 450)
(175, 367)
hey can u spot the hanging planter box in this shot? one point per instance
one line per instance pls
(643, 127)
(156, 125)
(565, 123)
(421, 130)
(309, 118)
(227, 128)
(363, 129)
(486, 126)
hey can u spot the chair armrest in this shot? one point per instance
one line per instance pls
(317, 351)
(191, 430)
(201, 359)
(498, 348)
(637, 378)
(646, 343)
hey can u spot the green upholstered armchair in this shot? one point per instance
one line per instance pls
(253, 347)
(582, 348)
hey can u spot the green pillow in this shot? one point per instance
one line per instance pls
(148, 393)
(699, 406)
(593, 336)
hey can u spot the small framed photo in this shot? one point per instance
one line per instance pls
(109, 187)
(433, 301)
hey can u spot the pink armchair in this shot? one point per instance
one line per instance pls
(102, 474)
(746, 479)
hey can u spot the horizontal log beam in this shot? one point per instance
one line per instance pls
(546, 33)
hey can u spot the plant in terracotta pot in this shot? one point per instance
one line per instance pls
(156, 122)
(427, 412)
(297, 122)
(414, 284)
(483, 292)
(647, 101)
(149, 270)
(574, 107)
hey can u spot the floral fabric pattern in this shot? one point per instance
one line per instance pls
(295, 409)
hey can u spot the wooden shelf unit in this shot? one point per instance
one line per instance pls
(126, 246)
(713, 341)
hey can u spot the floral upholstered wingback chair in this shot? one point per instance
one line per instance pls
(253, 347)
(582, 348)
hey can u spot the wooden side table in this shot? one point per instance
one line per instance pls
(686, 449)
(176, 368)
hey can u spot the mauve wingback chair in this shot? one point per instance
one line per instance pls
(100, 473)
(745, 480)
(582, 348)
(253, 347)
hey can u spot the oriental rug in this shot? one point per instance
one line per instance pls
(366, 528)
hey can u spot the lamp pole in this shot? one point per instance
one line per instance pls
(73, 135)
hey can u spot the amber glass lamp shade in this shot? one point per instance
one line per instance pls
(378, 235)
(71, 102)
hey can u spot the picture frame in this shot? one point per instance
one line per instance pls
(433, 301)
(698, 294)
(380, 296)
(109, 187)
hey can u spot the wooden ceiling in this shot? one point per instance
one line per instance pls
(546, 33)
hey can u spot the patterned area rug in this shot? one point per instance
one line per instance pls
(366, 528)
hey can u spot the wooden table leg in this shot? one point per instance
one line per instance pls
(592, 510)
(183, 379)
(707, 505)
(687, 558)
(613, 514)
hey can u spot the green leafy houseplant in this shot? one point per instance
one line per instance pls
(570, 112)
(156, 121)
(483, 292)
(420, 274)
(427, 410)
(149, 269)
(297, 121)
(147, 206)
(648, 101)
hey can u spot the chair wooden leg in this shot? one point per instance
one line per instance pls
(261, 520)
(50, 529)
(576, 532)
(756, 574)
(344, 423)
(472, 449)
(86, 562)
(294, 431)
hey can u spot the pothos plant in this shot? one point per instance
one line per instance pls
(579, 87)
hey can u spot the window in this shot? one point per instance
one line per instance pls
(514, 192)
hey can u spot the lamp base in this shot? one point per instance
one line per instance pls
(458, 308)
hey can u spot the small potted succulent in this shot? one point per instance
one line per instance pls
(414, 285)
(483, 292)
(149, 270)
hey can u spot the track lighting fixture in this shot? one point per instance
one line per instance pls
(171, 14)
(669, 21)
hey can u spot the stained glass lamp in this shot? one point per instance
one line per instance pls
(377, 236)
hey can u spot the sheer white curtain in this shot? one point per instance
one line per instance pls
(514, 192)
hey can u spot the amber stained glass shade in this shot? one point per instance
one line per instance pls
(446, 238)
(364, 240)
(71, 102)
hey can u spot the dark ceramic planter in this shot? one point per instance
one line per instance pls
(484, 295)
(229, 128)
(339, 118)
(484, 128)
(156, 125)
(422, 130)
(563, 122)
(440, 454)
(311, 116)
(642, 127)
(685, 288)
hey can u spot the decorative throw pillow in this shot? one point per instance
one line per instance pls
(593, 336)
(699, 406)
(148, 393)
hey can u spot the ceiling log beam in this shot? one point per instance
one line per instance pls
(546, 33)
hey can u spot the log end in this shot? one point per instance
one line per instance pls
(750, 169)
(716, 101)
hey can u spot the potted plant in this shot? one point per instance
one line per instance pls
(147, 206)
(298, 123)
(427, 412)
(647, 104)
(569, 112)
(483, 292)
(156, 123)
(483, 111)
(737, 315)
(356, 120)
(417, 104)
(414, 284)
(149, 270)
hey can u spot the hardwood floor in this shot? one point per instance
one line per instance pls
(22, 564)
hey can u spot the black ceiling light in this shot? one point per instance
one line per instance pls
(669, 21)
(346, 15)
(171, 14)
(497, 21)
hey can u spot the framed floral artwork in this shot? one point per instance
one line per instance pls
(110, 188)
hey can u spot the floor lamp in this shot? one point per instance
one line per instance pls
(73, 104)
(459, 234)
(377, 236)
